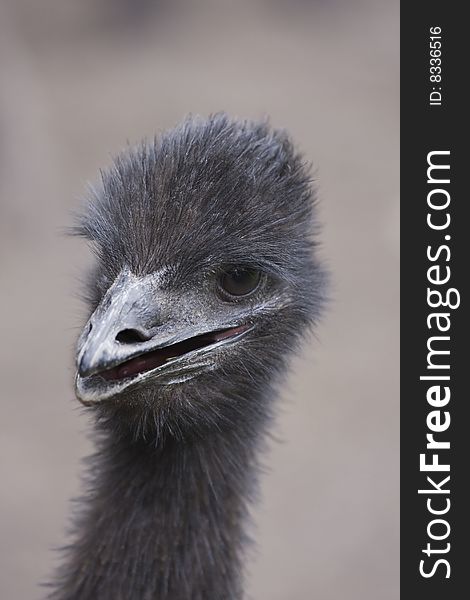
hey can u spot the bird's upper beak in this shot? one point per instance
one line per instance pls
(123, 326)
(137, 331)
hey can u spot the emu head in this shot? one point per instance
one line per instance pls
(205, 276)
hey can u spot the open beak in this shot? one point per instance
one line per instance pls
(136, 332)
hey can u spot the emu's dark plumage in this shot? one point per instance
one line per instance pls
(177, 453)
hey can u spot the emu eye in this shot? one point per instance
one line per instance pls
(240, 281)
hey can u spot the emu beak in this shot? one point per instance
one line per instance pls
(121, 327)
(137, 331)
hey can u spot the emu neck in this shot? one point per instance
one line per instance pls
(163, 523)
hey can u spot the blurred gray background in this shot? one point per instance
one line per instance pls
(79, 79)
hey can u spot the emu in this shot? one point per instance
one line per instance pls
(206, 280)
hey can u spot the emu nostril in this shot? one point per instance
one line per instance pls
(130, 336)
